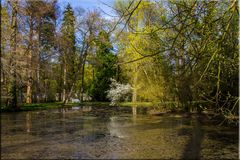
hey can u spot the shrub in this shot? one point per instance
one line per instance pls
(118, 92)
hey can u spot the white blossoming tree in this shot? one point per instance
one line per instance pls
(118, 92)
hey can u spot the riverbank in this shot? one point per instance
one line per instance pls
(160, 105)
(37, 106)
(154, 109)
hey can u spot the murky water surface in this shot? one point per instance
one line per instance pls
(112, 132)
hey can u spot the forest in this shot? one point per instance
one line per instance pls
(182, 55)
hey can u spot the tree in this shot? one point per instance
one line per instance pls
(46, 47)
(88, 28)
(183, 42)
(67, 49)
(13, 38)
(106, 68)
(144, 75)
(13, 49)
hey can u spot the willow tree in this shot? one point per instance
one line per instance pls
(145, 75)
(188, 41)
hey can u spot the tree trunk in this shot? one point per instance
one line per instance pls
(38, 83)
(134, 96)
(30, 78)
(64, 82)
(38, 94)
(45, 91)
(29, 92)
(29, 89)
(13, 59)
(82, 86)
(69, 94)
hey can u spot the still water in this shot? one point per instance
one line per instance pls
(112, 133)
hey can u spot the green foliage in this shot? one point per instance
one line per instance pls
(146, 75)
(105, 70)
(169, 51)
(182, 51)
(68, 58)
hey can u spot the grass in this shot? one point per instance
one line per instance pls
(51, 105)
(36, 106)
(139, 104)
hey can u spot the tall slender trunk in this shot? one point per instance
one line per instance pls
(30, 78)
(38, 94)
(60, 89)
(38, 82)
(82, 86)
(29, 87)
(134, 96)
(64, 82)
(13, 59)
(69, 94)
(83, 69)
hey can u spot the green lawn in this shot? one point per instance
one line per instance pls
(36, 106)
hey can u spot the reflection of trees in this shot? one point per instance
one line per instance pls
(74, 109)
(86, 108)
(134, 110)
(115, 128)
(68, 126)
(193, 148)
(28, 122)
(13, 118)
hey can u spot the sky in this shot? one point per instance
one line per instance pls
(89, 5)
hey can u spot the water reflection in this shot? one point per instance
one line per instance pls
(86, 108)
(134, 110)
(115, 128)
(110, 132)
(28, 122)
(134, 113)
(192, 149)
(75, 109)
